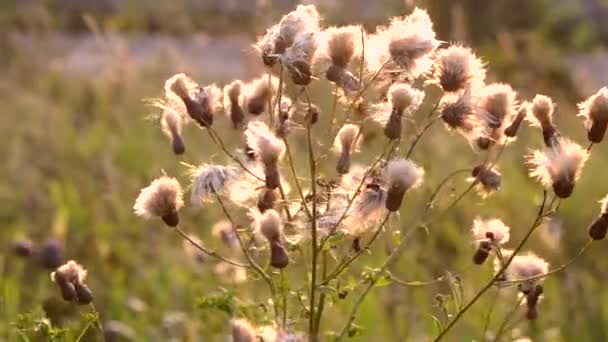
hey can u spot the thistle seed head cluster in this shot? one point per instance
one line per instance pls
(162, 198)
(70, 277)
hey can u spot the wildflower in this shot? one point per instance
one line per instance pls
(488, 234)
(526, 266)
(268, 148)
(171, 124)
(489, 179)
(402, 175)
(457, 68)
(298, 58)
(51, 254)
(599, 227)
(242, 331)
(522, 113)
(401, 98)
(233, 93)
(345, 143)
(270, 226)
(496, 107)
(542, 116)
(341, 44)
(201, 104)
(23, 248)
(225, 231)
(411, 42)
(266, 45)
(209, 179)
(163, 198)
(70, 279)
(257, 93)
(559, 166)
(595, 112)
(460, 115)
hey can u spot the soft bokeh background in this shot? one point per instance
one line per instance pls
(78, 144)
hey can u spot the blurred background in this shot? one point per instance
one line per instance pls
(80, 141)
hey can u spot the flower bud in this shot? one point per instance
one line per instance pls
(599, 227)
(83, 293)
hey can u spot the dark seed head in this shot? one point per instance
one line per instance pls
(343, 164)
(513, 128)
(563, 188)
(312, 115)
(484, 143)
(83, 293)
(597, 131)
(599, 227)
(550, 135)
(278, 255)
(171, 219)
(394, 198)
(356, 245)
(392, 130)
(178, 144)
(482, 252)
(68, 292)
(266, 199)
(23, 248)
(301, 73)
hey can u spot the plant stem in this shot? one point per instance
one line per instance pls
(507, 318)
(207, 251)
(425, 128)
(498, 274)
(488, 317)
(220, 143)
(322, 296)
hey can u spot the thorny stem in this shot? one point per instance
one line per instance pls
(218, 141)
(508, 317)
(207, 251)
(313, 331)
(498, 274)
(252, 264)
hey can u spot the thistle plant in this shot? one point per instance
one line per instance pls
(302, 231)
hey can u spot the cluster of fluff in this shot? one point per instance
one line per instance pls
(496, 106)
(487, 180)
(209, 179)
(409, 43)
(402, 98)
(458, 113)
(559, 166)
(493, 230)
(595, 112)
(162, 197)
(70, 278)
(526, 266)
(264, 143)
(541, 115)
(457, 68)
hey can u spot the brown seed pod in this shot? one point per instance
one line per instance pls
(513, 128)
(356, 245)
(482, 252)
(484, 143)
(394, 197)
(599, 227)
(271, 176)
(171, 219)
(343, 164)
(563, 188)
(301, 73)
(83, 293)
(550, 135)
(392, 130)
(278, 254)
(68, 291)
(597, 131)
(22, 248)
(312, 115)
(178, 144)
(266, 199)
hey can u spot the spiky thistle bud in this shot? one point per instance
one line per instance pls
(70, 279)
(457, 68)
(559, 166)
(402, 175)
(488, 234)
(23, 248)
(595, 112)
(513, 128)
(271, 227)
(233, 94)
(541, 115)
(599, 226)
(489, 179)
(171, 124)
(242, 331)
(51, 254)
(345, 143)
(162, 198)
(268, 148)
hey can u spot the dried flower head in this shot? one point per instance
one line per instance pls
(298, 58)
(496, 107)
(171, 124)
(70, 279)
(487, 235)
(208, 179)
(270, 225)
(459, 115)
(457, 68)
(345, 143)
(257, 93)
(526, 266)
(268, 148)
(163, 198)
(541, 115)
(367, 209)
(599, 227)
(411, 42)
(488, 179)
(304, 19)
(401, 175)
(201, 103)
(341, 44)
(522, 113)
(242, 331)
(595, 112)
(559, 166)
(401, 98)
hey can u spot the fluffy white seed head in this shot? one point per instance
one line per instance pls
(604, 205)
(255, 94)
(162, 197)
(496, 227)
(561, 162)
(208, 179)
(340, 44)
(347, 138)
(179, 86)
(71, 272)
(264, 143)
(367, 210)
(304, 19)
(405, 97)
(270, 225)
(404, 174)
(458, 113)
(171, 122)
(497, 104)
(526, 266)
(595, 108)
(457, 68)
(541, 111)
(303, 49)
